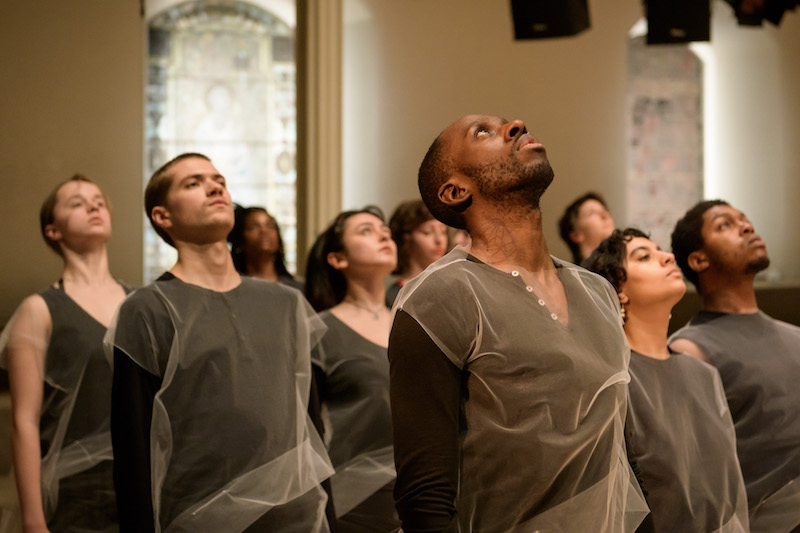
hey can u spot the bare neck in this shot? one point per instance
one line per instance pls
(262, 266)
(207, 265)
(86, 268)
(729, 294)
(509, 239)
(646, 330)
(367, 290)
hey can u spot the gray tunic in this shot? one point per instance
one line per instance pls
(758, 359)
(230, 439)
(680, 435)
(355, 390)
(77, 489)
(541, 443)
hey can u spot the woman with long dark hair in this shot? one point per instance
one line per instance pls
(345, 282)
(257, 247)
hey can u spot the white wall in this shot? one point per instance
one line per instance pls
(412, 67)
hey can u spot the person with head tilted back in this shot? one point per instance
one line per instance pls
(59, 378)
(345, 281)
(508, 367)
(678, 431)
(212, 381)
(758, 357)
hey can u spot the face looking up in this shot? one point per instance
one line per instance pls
(593, 224)
(652, 277)
(198, 206)
(80, 215)
(367, 243)
(730, 244)
(500, 156)
(260, 233)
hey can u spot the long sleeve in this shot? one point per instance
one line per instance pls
(132, 393)
(426, 416)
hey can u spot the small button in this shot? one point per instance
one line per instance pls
(529, 288)
(554, 316)
(541, 302)
(515, 273)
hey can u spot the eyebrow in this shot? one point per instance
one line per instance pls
(644, 248)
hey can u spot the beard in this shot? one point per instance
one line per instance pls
(757, 265)
(508, 181)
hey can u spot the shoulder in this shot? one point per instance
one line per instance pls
(683, 345)
(32, 316)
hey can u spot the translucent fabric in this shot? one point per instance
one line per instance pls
(542, 445)
(74, 423)
(758, 359)
(355, 391)
(680, 435)
(231, 441)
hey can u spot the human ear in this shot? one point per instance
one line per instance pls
(698, 261)
(454, 193)
(623, 298)
(161, 217)
(52, 233)
(337, 260)
(576, 236)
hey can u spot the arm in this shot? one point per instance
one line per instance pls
(688, 347)
(132, 393)
(425, 394)
(27, 350)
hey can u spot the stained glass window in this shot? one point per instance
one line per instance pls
(221, 81)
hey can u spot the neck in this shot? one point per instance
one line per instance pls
(89, 268)
(207, 265)
(647, 329)
(414, 269)
(367, 291)
(262, 266)
(729, 294)
(510, 239)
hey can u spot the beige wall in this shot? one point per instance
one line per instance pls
(71, 84)
(72, 100)
(413, 67)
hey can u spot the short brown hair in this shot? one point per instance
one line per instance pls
(155, 193)
(47, 211)
(406, 218)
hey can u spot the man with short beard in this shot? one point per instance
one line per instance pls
(508, 366)
(757, 356)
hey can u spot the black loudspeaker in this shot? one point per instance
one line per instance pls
(539, 19)
(678, 21)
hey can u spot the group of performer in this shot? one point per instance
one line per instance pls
(494, 388)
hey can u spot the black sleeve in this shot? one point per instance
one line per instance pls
(132, 392)
(425, 390)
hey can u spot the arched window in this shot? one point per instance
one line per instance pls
(222, 81)
(665, 136)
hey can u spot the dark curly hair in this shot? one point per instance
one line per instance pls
(687, 237)
(566, 224)
(326, 286)
(608, 259)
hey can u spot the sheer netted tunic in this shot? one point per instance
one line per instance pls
(680, 436)
(507, 419)
(77, 487)
(354, 386)
(758, 359)
(228, 442)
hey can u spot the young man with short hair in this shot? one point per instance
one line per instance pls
(758, 357)
(211, 381)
